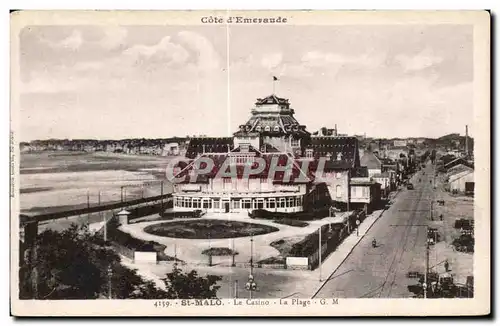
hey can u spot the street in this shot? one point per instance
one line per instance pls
(381, 272)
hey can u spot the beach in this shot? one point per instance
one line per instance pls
(58, 181)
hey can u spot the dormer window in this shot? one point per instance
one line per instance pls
(328, 156)
(309, 153)
(339, 156)
(276, 128)
(267, 128)
(258, 128)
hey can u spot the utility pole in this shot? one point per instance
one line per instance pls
(105, 229)
(319, 253)
(88, 207)
(121, 194)
(348, 188)
(426, 268)
(161, 200)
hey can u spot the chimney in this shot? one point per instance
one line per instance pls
(466, 140)
(336, 133)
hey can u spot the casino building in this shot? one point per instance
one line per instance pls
(285, 183)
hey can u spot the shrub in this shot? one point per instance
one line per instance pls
(299, 216)
(290, 222)
(219, 251)
(272, 260)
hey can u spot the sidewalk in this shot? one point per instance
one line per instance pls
(336, 258)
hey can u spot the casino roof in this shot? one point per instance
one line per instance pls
(272, 99)
(297, 174)
(343, 151)
(208, 145)
(272, 116)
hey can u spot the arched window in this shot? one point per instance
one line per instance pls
(258, 128)
(276, 128)
(267, 128)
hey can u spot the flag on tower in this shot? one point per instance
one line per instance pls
(275, 78)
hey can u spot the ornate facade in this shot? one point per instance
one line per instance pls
(270, 163)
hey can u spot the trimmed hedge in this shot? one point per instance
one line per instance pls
(219, 251)
(286, 221)
(299, 216)
(126, 240)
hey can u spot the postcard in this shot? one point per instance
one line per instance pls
(250, 163)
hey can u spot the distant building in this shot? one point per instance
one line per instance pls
(372, 162)
(365, 192)
(400, 143)
(461, 180)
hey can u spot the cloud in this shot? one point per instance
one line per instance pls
(113, 37)
(72, 42)
(88, 65)
(164, 51)
(271, 60)
(322, 59)
(422, 60)
(207, 56)
(50, 82)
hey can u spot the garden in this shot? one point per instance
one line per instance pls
(208, 229)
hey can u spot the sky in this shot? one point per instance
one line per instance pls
(115, 82)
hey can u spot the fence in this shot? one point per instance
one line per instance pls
(95, 209)
(333, 240)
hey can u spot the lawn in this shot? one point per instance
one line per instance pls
(208, 229)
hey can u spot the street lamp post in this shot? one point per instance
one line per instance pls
(110, 273)
(233, 254)
(209, 251)
(251, 285)
(251, 255)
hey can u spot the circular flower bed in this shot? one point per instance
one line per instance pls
(208, 229)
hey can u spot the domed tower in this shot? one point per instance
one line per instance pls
(272, 127)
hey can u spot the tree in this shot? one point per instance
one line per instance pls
(73, 264)
(191, 286)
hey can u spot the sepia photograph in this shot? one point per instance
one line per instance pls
(250, 163)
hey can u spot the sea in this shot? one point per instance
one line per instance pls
(58, 181)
